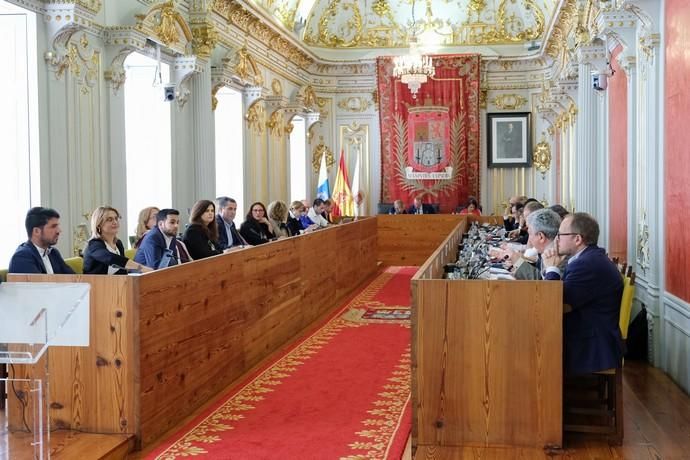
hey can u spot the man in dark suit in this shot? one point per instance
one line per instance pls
(228, 236)
(592, 290)
(419, 208)
(38, 255)
(160, 247)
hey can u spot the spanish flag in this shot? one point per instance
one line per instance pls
(343, 205)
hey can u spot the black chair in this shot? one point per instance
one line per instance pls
(384, 208)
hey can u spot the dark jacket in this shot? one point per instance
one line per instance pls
(153, 251)
(426, 209)
(593, 287)
(27, 260)
(198, 243)
(294, 225)
(255, 232)
(223, 242)
(97, 258)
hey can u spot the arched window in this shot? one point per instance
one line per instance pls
(230, 147)
(20, 173)
(147, 136)
(298, 160)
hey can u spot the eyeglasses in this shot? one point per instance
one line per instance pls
(565, 234)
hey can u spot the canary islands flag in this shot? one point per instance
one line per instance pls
(323, 191)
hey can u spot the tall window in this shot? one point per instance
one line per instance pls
(229, 147)
(19, 174)
(298, 160)
(147, 132)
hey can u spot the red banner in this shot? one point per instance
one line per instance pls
(430, 144)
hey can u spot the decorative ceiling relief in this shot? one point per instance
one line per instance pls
(388, 23)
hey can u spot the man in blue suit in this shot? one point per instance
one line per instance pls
(592, 290)
(419, 208)
(228, 236)
(160, 247)
(38, 255)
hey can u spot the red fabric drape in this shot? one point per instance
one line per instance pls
(430, 145)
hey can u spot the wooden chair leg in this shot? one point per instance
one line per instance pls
(3, 392)
(618, 400)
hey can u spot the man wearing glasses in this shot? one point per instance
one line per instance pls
(592, 290)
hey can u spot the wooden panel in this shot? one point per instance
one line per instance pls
(205, 324)
(487, 363)
(411, 239)
(94, 389)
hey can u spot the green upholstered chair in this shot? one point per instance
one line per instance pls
(76, 264)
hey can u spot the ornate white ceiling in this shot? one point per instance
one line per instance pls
(349, 29)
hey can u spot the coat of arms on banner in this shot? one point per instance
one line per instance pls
(428, 155)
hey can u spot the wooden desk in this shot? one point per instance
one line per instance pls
(486, 359)
(164, 343)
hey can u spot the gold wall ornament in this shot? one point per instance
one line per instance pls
(214, 98)
(483, 96)
(320, 151)
(276, 87)
(381, 7)
(288, 128)
(256, 117)
(245, 67)
(541, 157)
(204, 38)
(75, 56)
(306, 96)
(165, 23)
(355, 104)
(276, 124)
(509, 101)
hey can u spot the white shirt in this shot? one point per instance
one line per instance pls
(46, 261)
(317, 218)
(168, 241)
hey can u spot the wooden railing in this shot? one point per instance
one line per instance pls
(164, 343)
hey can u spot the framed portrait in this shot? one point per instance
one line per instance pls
(509, 143)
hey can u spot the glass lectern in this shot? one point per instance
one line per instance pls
(33, 317)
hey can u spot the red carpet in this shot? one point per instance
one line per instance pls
(343, 392)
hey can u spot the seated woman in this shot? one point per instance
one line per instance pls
(146, 221)
(294, 220)
(105, 254)
(472, 208)
(256, 229)
(201, 236)
(277, 216)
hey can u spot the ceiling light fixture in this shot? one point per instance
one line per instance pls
(413, 69)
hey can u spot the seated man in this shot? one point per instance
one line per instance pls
(228, 236)
(37, 255)
(315, 211)
(542, 226)
(160, 247)
(419, 208)
(592, 289)
(398, 208)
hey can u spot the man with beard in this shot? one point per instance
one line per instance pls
(160, 247)
(38, 255)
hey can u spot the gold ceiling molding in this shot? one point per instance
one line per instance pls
(348, 24)
(237, 15)
(164, 22)
(509, 101)
(355, 104)
(567, 19)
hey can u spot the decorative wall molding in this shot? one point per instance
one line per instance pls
(509, 101)
(166, 24)
(355, 104)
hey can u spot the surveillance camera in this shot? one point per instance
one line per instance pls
(169, 93)
(600, 81)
